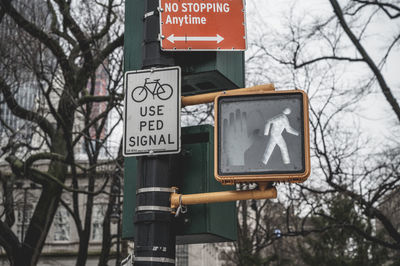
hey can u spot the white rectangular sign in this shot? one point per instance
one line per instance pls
(152, 111)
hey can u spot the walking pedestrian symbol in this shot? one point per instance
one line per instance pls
(264, 135)
(275, 127)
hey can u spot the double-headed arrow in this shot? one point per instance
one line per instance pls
(218, 38)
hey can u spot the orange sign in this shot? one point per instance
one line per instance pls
(202, 25)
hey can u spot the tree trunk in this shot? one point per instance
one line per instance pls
(39, 226)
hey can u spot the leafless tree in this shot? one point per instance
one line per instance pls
(59, 48)
(324, 55)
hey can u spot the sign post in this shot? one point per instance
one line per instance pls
(154, 233)
(203, 25)
(152, 111)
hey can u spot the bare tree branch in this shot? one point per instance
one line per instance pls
(375, 70)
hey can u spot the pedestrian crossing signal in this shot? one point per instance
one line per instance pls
(262, 136)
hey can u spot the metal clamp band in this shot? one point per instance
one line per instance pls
(154, 189)
(154, 208)
(181, 208)
(155, 259)
(149, 14)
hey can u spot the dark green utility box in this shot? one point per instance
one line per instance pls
(210, 71)
(202, 72)
(205, 223)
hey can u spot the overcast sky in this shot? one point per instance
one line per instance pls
(375, 114)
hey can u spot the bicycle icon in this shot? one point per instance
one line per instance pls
(162, 91)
